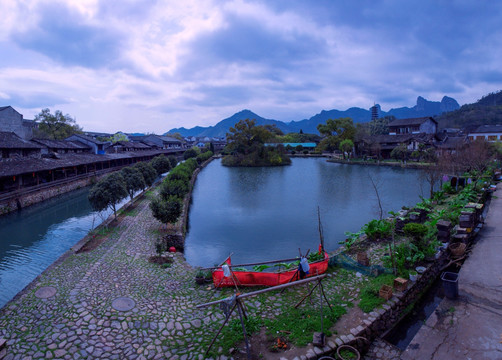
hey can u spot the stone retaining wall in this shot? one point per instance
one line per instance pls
(38, 196)
(384, 318)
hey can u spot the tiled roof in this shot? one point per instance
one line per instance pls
(88, 138)
(11, 167)
(488, 129)
(9, 140)
(61, 144)
(410, 122)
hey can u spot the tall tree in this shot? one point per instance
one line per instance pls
(108, 192)
(55, 127)
(166, 211)
(245, 137)
(335, 131)
(134, 180)
(148, 172)
(161, 164)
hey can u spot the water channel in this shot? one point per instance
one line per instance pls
(33, 238)
(268, 213)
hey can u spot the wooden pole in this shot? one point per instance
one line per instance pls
(273, 288)
(221, 328)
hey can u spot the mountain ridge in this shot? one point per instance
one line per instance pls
(422, 108)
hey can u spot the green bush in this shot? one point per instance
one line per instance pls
(416, 232)
(204, 157)
(190, 153)
(377, 229)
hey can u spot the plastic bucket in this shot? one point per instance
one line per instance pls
(450, 284)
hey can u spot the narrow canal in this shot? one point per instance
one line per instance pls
(33, 238)
(268, 213)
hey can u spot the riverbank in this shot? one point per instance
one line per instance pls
(407, 165)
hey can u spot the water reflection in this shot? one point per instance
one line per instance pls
(35, 237)
(268, 213)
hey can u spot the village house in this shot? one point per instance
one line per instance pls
(489, 133)
(61, 146)
(97, 147)
(14, 147)
(123, 146)
(414, 134)
(12, 121)
(423, 125)
(163, 142)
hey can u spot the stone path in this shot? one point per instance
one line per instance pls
(111, 303)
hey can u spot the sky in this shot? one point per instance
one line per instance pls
(150, 66)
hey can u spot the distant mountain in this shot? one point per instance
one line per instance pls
(221, 128)
(421, 109)
(486, 111)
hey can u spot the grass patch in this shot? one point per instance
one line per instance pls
(232, 333)
(131, 212)
(302, 323)
(369, 298)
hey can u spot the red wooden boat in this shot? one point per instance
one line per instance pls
(256, 278)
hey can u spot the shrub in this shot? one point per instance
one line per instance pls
(377, 229)
(190, 153)
(415, 231)
(204, 157)
(174, 187)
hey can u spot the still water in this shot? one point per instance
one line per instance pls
(35, 237)
(268, 213)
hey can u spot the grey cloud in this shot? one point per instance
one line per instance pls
(63, 36)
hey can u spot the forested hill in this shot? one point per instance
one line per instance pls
(486, 111)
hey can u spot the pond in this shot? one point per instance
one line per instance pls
(261, 214)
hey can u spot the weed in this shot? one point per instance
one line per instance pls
(302, 323)
(370, 298)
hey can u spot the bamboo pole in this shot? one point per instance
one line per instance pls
(251, 264)
(254, 293)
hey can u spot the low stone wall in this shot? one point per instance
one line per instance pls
(38, 196)
(407, 165)
(188, 198)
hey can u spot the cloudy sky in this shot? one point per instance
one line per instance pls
(150, 66)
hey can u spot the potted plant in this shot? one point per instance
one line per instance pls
(208, 276)
(413, 275)
(199, 277)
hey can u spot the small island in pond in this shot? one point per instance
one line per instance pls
(246, 146)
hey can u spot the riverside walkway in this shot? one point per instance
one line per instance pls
(471, 326)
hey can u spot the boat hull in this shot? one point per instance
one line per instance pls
(255, 278)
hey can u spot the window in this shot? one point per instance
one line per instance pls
(492, 137)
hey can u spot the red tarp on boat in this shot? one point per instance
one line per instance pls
(255, 278)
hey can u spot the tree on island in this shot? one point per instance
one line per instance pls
(55, 127)
(346, 146)
(246, 146)
(108, 192)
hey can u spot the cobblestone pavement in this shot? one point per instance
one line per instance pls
(380, 349)
(79, 321)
